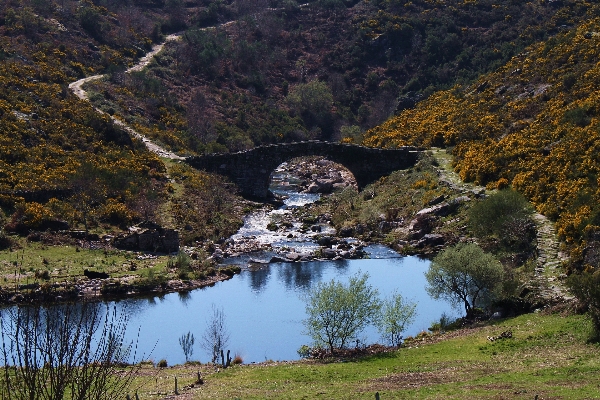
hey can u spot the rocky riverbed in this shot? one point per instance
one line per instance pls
(284, 233)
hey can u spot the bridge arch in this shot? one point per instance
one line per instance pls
(251, 170)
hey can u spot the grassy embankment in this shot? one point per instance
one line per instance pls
(548, 356)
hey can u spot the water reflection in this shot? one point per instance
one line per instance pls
(259, 278)
(300, 275)
(184, 297)
(294, 276)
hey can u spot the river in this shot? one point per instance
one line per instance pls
(265, 304)
(264, 308)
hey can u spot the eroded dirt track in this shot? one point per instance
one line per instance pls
(77, 89)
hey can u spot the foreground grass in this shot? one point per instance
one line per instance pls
(548, 356)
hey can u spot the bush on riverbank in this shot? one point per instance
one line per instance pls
(503, 221)
(203, 205)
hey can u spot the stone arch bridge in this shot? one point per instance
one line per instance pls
(251, 169)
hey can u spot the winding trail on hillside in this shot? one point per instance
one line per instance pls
(548, 273)
(77, 89)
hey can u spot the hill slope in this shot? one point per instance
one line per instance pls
(286, 72)
(533, 123)
(326, 69)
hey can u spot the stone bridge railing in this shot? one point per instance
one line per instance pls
(251, 169)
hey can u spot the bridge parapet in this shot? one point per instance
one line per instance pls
(251, 169)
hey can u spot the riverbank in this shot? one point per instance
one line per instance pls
(54, 270)
(130, 286)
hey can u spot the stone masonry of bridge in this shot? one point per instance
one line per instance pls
(251, 170)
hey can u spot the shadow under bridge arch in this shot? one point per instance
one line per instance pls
(251, 170)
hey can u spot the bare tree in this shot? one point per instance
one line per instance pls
(64, 352)
(216, 335)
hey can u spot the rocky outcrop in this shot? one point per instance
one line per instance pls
(149, 237)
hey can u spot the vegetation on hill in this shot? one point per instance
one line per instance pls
(244, 73)
(60, 159)
(234, 79)
(532, 123)
(62, 164)
(247, 73)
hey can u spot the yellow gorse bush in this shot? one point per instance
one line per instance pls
(47, 134)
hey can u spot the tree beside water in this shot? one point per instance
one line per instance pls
(465, 275)
(337, 313)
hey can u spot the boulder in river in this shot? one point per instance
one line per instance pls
(329, 253)
(431, 239)
(293, 256)
(346, 231)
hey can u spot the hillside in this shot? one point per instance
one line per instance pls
(60, 159)
(533, 124)
(510, 88)
(248, 73)
(64, 166)
(259, 73)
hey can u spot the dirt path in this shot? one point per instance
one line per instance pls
(77, 88)
(548, 270)
(547, 276)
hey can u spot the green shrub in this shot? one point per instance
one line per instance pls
(465, 276)
(183, 260)
(337, 312)
(577, 116)
(586, 287)
(304, 351)
(506, 216)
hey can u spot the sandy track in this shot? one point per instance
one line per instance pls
(77, 89)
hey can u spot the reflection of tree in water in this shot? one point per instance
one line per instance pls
(300, 275)
(341, 265)
(259, 278)
(303, 275)
(184, 297)
(134, 306)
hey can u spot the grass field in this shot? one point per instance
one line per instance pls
(67, 262)
(548, 356)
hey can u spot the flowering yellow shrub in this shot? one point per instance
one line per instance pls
(116, 213)
(34, 214)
